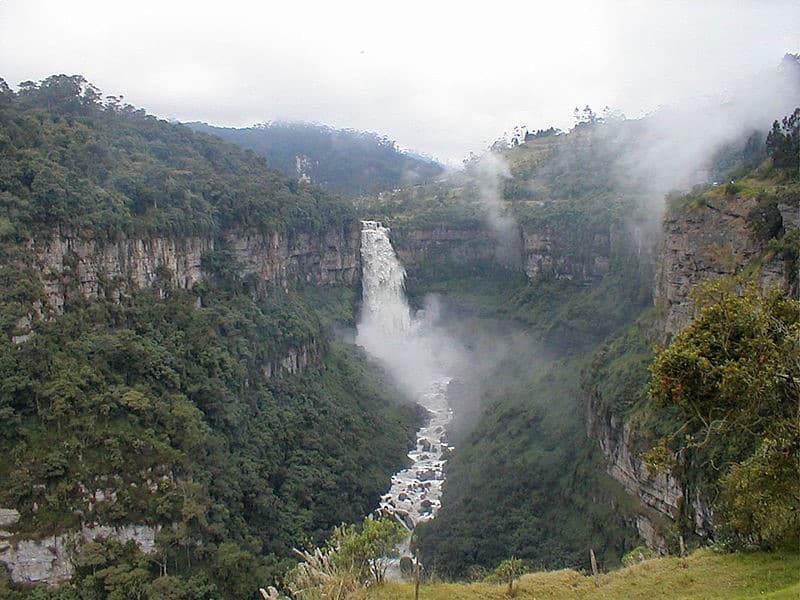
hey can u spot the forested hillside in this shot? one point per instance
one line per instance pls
(166, 408)
(340, 160)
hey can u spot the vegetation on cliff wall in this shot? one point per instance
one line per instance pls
(525, 480)
(734, 377)
(157, 411)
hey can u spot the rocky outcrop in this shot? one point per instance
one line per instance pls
(294, 360)
(541, 252)
(661, 493)
(49, 560)
(711, 242)
(698, 244)
(664, 498)
(107, 269)
(100, 269)
(326, 258)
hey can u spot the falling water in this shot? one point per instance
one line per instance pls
(404, 345)
(385, 309)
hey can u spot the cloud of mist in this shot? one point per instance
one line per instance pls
(416, 356)
(675, 146)
(489, 173)
(443, 343)
(435, 342)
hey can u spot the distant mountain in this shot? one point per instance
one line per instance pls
(341, 160)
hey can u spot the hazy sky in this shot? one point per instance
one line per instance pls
(440, 77)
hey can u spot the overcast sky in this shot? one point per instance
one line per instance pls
(444, 78)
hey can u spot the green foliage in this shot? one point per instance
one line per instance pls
(340, 160)
(165, 409)
(619, 372)
(433, 205)
(508, 571)
(638, 555)
(526, 481)
(760, 495)
(354, 557)
(733, 374)
(765, 219)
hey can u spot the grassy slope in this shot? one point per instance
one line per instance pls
(705, 574)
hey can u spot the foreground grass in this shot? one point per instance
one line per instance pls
(705, 574)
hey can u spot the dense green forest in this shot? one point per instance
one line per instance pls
(341, 160)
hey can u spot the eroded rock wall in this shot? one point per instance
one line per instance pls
(49, 559)
(697, 244)
(107, 269)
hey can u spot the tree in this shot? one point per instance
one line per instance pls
(585, 117)
(734, 377)
(783, 143)
(367, 548)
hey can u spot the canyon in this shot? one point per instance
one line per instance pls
(695, 245)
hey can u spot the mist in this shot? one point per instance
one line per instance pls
(452, 87)
(488, 174)
(678, 142)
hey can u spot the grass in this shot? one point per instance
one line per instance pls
(704, 574)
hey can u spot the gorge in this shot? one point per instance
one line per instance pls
(182, 402)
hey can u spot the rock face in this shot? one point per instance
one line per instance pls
(708, 243)
(49, 560)
(98, 269)
(72, 265)
(661, 494)
(294, 361)
(543, 253)
(550, 254)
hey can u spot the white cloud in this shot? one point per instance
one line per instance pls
(441, 77)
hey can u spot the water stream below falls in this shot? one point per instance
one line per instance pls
(416, 492)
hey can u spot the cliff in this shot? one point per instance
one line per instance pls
(418, 247)
(712, 240)
(663, 497)
(542, 252)
(49, 560)
(105, 269)
(71, 266)
(583, 255)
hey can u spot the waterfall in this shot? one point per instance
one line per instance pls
(412, 350)
(385, 310)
